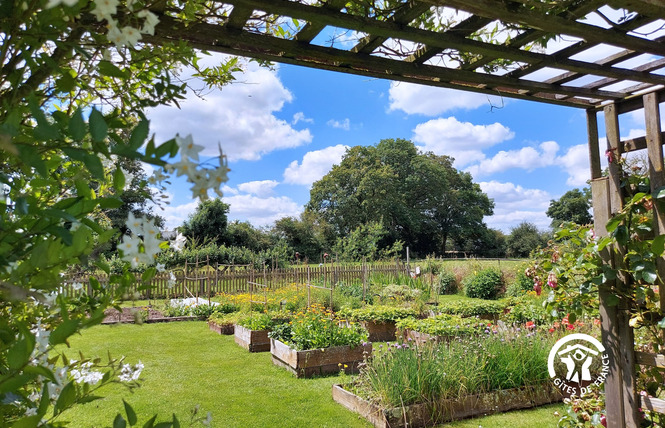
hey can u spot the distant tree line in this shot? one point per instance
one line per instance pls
(378, 201)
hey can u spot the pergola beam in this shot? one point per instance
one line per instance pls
(440, 40)
(554, 24)
(220, 39)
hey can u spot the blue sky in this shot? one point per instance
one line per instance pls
(283, 129)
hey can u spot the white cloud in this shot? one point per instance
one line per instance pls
(528, 158)
(261, 211)
(431, 101)
(462, 140)
(262, 189)
(240, 117)
(576, 163)
(314, 165)
(300, 117)
(514, 204)
(344, 124)
(176, 215)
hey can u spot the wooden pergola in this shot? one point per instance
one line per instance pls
(492, 47)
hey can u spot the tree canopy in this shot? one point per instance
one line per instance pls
(208, 223)
(573, 206)
(419, 198)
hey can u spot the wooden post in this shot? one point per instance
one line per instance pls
(621, 390)
(656, 175)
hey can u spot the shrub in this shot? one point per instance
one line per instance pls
(257, 322)
(443, 325)
(446, 282)
(224, 319)
(526, 308)
(520, 285)
(378, 314)
(486, 284)
(472, 308)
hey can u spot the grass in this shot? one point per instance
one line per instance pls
(186, 364)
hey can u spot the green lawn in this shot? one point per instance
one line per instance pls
(187, 365)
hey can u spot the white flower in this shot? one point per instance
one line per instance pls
(32, 411)
(55, 388)
(53, 3)
(129, 373)
(187, 147)
(84, 374)
(171, 282)
(114, 34)
(76, 286)
(134, 224)
(185, 166)
(130, 245)
(104, 9)
(179, 242)
(151, 21)
(131, 36)
(161, 267)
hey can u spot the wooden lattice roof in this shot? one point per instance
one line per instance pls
(487, 46)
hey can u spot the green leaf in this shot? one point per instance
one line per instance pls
(176, 423)
(66, 399)
(111, 202)
(31, 156)
(131, 415)
(63, 331)
(77, 126)
(74, 153)
(611, 300)
(94, 165)
(12, 381)
(111, 70)
(19, 354)
(139, 134)
(164, 425)
(659, 193)
(621, 234)
(28, 422)
(148, 274)
(661, 323)
(98, 127)
(613, 223)
(119, 422)
(118, 180)
(40, 370)
(658, 245)
(150, 423)
(649, 274)
(66, 82)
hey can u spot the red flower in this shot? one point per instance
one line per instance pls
(530, 324)
(551, 330)
(538, 289)
(570, 327)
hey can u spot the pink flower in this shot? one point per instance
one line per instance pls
(551, 280)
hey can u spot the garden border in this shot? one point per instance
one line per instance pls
(422, 415)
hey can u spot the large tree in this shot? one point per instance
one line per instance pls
(573, 206)
(523, 239)
(208, 223)
(420, 198)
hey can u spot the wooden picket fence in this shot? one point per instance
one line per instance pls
(209, 280)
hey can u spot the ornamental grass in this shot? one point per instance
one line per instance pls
(404, 374)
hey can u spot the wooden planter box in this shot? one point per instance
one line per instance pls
(226, 329)
(380, 331)
(421, 415)
(318, 361)
(252, 340)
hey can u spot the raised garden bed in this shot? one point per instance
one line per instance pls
(252, 340)
(380, 331)
(226, 329)
(318, 361)
(419, 338)
(446, 410)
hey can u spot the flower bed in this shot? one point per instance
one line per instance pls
(445, 410)
(379, 321)
(322, 361)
